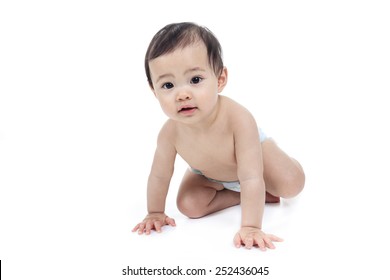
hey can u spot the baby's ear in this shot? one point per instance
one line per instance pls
(222, 79)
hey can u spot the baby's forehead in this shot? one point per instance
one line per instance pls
(196, 50)
(198, 44)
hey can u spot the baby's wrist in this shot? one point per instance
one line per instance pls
(156, 212)
(251, 226)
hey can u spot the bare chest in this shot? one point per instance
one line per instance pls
(212, 154)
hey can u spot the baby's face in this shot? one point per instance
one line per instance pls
(185, 83)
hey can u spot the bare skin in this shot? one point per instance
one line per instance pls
(219, 137)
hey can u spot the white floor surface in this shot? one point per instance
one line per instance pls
(78, 128)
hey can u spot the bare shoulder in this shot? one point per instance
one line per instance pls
(167, 134)
(238, 116)
(168, 129)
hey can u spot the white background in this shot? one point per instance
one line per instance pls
(78, 129)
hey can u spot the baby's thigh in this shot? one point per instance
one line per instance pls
(195, 183)
(283, 175)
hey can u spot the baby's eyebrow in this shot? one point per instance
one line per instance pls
(164, 76)
(195, 69)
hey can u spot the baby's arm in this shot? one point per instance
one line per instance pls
(158, 183)
(250, 174)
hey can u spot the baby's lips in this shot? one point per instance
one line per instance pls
(186, 108)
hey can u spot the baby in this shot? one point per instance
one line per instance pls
(231, 161)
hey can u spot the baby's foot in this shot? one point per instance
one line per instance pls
(269, 198)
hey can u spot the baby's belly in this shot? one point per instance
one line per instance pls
(226, 174)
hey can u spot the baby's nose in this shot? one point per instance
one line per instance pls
(183, 94)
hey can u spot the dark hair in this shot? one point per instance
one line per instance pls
(180, 35)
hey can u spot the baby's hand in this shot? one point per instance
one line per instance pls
(250, 236)
(154, 221)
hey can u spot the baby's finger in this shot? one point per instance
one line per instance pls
(141, 228)
(148, 228)
(248, 242)
(170, 221)
(135, 228)
(157, 226)
(237, 240)
(260, 243)
(268, 243)
(274, 238)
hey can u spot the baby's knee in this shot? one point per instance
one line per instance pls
(293, 183)
(189, 207)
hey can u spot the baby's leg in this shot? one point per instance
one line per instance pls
(283, 175)
(199, 197)
(269, 198)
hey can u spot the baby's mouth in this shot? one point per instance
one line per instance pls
(184, 109)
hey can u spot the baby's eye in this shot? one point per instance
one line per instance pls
(196, 80)
(167, 86)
